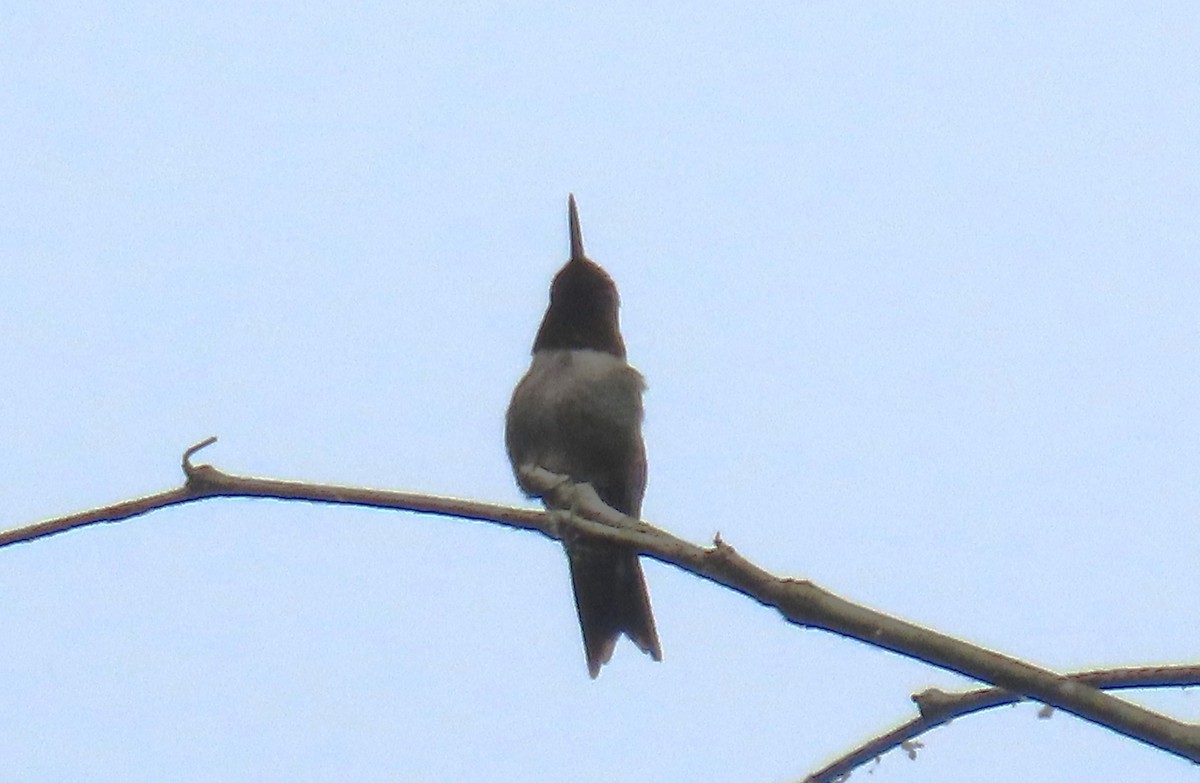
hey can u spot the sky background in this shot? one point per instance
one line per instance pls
(914, 287)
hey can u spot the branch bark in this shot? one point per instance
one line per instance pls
(799, 601)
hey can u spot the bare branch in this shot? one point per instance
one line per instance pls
(805, 604)
(799, 601)
(938, 708)
(205, 481)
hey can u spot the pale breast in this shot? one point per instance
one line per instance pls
(577, 412)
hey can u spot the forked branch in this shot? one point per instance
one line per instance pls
(799, 601)
(937, 708)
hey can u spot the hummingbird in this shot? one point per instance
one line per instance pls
(578, 412)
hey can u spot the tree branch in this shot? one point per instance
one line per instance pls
(805, 604)
(938, 708)
(205, 481)
(799, 601)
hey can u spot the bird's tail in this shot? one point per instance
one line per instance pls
(611, 598)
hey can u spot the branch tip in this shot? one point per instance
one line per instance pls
(188, 467)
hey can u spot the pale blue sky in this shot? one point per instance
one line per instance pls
(914, 286)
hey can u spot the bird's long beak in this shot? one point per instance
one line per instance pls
(576, 232)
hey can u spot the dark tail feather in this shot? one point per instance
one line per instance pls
(611, 598)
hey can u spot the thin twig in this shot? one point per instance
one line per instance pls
(938, 708)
